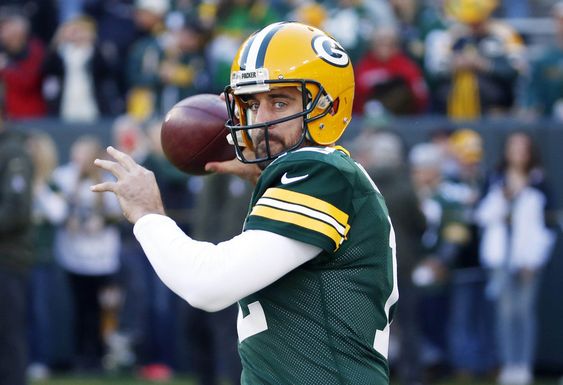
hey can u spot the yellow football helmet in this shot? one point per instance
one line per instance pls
(470, 11)
(291, 54)
(467, 146)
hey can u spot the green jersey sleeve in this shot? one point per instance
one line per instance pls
(305, 197)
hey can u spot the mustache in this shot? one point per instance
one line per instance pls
(261, 137)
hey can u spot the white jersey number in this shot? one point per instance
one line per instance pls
(381, 340)
(253, 323)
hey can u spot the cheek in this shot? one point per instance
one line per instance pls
(291, 131)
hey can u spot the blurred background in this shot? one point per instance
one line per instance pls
(458, 118)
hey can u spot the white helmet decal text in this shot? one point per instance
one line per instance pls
(330, 51)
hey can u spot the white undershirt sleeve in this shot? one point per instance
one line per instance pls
(212, 277)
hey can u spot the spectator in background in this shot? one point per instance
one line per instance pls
(516, 245)
(145, 58)
(233, 21)
(416, 19)
(471, 350)
(146, 334)
(21, 58)
(173, 183)
(70, 9)
(352, 25)
(430, 276)
(49, 211)
(184, 69)
(212, 337)
(79, 85)
(441, 137)
(161, 342)
(475, 64)
(16, 173)
(388, 76)
(545, 90)
(379, 12)
(116, 34)
(310, 13)
(126, 344)
(87, 248)
(128, 135)
(42, 15)
(190, 9)
(382, 155)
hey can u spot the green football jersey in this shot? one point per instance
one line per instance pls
(326, 322)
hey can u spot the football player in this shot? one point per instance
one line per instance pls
(314, 270)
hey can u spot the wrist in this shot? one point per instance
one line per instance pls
(134, 217)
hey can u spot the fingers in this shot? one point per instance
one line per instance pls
(250, 172)
(226, 167)
(125, 160)
(104, 187)
(211, 167)
(115, 168)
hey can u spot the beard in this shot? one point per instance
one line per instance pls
(261, 152)
(276, 144)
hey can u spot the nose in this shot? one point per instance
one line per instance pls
(263, 114)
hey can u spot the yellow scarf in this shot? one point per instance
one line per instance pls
(463, 100)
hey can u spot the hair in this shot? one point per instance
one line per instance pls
(12, 14)
(534, 160)
(426, 155)
(386, 30)
(382, 149)
(44, 154)
(86, 146)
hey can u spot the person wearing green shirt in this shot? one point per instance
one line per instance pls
(314, 269)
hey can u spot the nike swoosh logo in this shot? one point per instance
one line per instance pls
(287, 180)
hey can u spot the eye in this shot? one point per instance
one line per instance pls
(253, 106)
(280, 105)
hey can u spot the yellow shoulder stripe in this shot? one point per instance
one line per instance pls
(340, 148)
(299, 220)
(308, 201)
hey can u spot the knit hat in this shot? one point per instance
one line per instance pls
(159, 7)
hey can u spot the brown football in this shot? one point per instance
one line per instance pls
(193, 133)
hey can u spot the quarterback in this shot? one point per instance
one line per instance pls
(314, 270)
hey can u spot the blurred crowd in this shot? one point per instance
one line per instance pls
(472, 241)
(82, 59)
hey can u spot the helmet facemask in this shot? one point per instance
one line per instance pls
(243, 129)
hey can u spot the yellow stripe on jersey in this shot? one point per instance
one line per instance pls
(299, 220)
(285, 206)
(308, 201)
(340, 148)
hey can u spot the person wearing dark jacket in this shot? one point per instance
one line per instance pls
(382, 155)
(15, 255)
(79, 80)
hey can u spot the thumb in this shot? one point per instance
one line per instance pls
(211, 166)
(229, 166)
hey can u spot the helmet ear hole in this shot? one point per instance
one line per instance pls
(335, 105)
